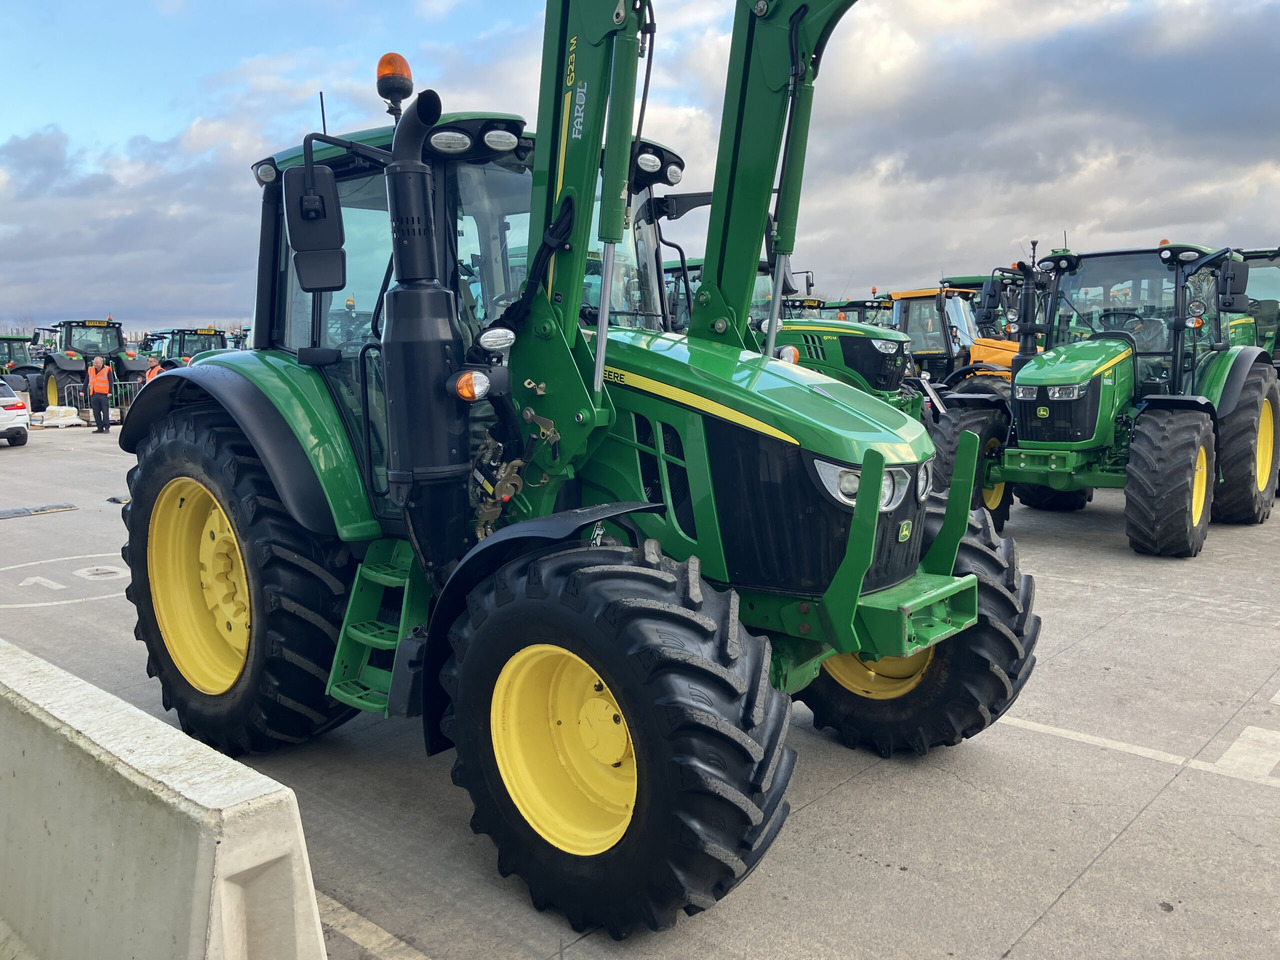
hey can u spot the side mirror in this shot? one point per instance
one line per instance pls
(808, 284)
(1233, 281)
(35, 338)
(940, 302)
(313, 220)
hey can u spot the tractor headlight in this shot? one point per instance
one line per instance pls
(842, 482)
(924, 477)
(885, 346)
(1073, 391)
(1025, 393)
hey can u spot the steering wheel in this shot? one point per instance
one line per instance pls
(1105, 315)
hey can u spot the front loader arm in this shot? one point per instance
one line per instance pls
(773, 60)
(586, 102)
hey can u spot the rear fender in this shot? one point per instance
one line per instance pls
(63, 362)
(1241, 364)
(415, 678)
(273, 439)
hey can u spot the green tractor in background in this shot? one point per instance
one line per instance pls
(1141, 387)
(18, 367)
(75, 344)
(1260, 326)
(177, 346)
(576, 601)
(876, 312)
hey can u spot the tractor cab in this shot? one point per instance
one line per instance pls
(679, 295)
(941, 326)
(176, 347)
(75, 344)
(876, 312)
(19, 369)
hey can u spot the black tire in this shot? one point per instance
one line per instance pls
(298, 587)
(1159, 483)
(991, 424)
(1237, 497)
(986, 383)
(973, 677)
(34, 386)
(707, 729)
(20, 440)
(62, 379)
(1039, 497)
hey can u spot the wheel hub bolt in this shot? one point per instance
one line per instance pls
(597, 686)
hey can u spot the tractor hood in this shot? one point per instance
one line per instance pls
(1073, 362)
(845, 328)
(782, 400)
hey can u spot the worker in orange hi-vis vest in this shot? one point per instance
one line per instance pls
(99, 380)
(153, 369)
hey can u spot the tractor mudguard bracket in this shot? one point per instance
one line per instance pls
(941, 558)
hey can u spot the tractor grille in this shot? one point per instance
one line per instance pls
(783, 535)
(882, 371)
(1069, 421)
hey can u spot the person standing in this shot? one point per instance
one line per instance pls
(153, 369)
(99, 379)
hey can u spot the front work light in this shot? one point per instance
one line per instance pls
(885, 346)
(1024, 393)
(1072, 391)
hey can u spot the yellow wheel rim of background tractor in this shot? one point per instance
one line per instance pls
(564, 749)
(992, 496)
(1199, 485)
(885, 679)
(1266, 444)
(51, 391)
(199, 588)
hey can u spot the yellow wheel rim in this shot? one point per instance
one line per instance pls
(199, 588)
(1198, 486)
(993, 496)
(1266, 444)
(51, 392)
(885, 679)
(564, 749)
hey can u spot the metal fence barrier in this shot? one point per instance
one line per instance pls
(122, 394)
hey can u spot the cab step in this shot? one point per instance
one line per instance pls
(389, 597)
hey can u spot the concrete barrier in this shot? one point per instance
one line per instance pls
(121, 837)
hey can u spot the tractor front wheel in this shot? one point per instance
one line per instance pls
(617, 733)
(238, 605)
(954, 689)
(1168, 488)
(1248, 438)
(991, 424)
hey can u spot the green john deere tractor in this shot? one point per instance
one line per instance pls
(577, 602)
(76, 343)
(18, 367)
(877, 312)
(1140, 386)
(176, 347)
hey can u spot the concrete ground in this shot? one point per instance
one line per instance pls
(1129, 805)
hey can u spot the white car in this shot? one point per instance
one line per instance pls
(15, 418)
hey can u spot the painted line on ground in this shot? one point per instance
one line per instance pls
(79, 556)
(364, 933)
(1251, 758)
(1276, 698)
(60, 603)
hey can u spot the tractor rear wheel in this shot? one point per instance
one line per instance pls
(991, 424)
(954, 689)
(1046, 498)
(35, 390)
(56, 382)
(238, 605)
(1248, 439)
(1169, 482)
(986, 383)
(617, 733)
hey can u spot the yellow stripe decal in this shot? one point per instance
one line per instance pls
(847, 331)
(564, 141)
(1241, 320)
(1111, 363)
(668, 392)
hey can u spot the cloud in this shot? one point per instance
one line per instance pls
(945, 138)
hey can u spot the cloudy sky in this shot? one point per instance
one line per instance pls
(947, 133)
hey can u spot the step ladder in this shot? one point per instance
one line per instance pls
(389, 567)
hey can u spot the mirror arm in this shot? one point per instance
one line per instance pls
(374, 155)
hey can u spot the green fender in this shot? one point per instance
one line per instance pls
(1224, 376)
(288, 414)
